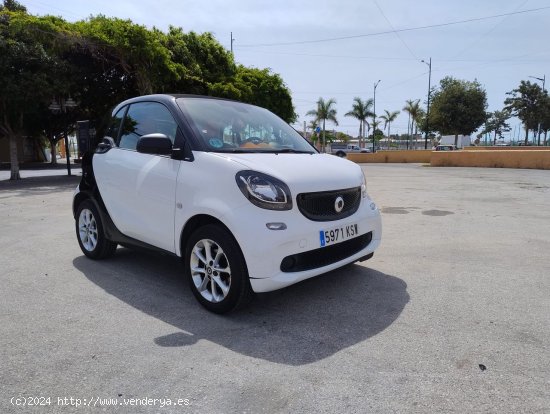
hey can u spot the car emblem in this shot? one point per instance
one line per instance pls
(338, 204)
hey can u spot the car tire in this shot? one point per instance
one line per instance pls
(90, 234)
(216, 270)
(341, 154)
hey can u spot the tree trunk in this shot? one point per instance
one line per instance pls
(360, 132)
(389, 135)
(408, 130)
(53, 143)
(456, 140)
(324, 141)
(526, 135)
(13, 158)
(495, 139)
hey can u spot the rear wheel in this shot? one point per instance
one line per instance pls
(216, 269)
(90, 234)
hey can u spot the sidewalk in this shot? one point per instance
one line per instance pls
(40, 169)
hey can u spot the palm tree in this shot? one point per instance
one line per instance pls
(388, 118)
(324, 112)
(413, 109)
(417, 116)
(361, 110)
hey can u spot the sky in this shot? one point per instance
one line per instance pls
(340, 49)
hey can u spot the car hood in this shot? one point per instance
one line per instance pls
(303, 172)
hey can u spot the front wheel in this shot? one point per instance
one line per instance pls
(216, 269)
(90, 234)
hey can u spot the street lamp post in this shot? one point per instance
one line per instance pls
(543, 80)
(428, 110)
(374, 117)
(63, 106)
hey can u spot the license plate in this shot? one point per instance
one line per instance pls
(337, 235)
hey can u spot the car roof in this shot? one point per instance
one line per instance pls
(166, 98)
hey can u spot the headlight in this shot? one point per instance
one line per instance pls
(364, 186)
(264, 190)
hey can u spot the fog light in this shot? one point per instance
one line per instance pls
(372, 206)
(276, 226)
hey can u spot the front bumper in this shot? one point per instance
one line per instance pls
(265, 250)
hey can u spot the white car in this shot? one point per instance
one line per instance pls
(240, 196)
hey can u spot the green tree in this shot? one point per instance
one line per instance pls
(545, 121)
(361, 110)
(377, 134)
(497, 123)
(138, 52)
(201, 61)
(26, 70)
(259, 87)
(340, 136)
(12, 5)
(527, 102)
(101, 61)
(458, 107)
(388, 118)
(325, 112)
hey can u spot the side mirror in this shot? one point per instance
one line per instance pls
(105, 145)
(155, 143)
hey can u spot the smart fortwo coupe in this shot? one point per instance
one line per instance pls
(240, 196)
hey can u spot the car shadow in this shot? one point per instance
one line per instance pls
(298, 325)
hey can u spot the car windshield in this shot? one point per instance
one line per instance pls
(228, 126)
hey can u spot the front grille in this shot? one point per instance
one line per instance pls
(321, 206)
(325, 255)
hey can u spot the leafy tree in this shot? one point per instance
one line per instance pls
(138, 52)
(377, 134)
(259, 87)
(545, 121)
(26, 70)
(388, 118)
(527, 103)
(361, 110)
(497, 123)
(12, 5)
(101, 61)
(325, 112)
(340, 136)
(201, 61)
(458, 107)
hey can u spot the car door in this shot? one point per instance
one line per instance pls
(139, 189)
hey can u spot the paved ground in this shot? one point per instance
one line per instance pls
(41, 169)
(451, 315)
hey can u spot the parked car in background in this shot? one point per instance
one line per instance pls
(341, 150)
(245, 201)
(461, 140)
(445, 148)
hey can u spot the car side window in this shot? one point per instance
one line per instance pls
(146, 118)
(114, 124)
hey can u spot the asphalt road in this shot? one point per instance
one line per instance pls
(451, 315)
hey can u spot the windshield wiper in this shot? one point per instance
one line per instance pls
(233, 151)
(262, 151)
(290, 150)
